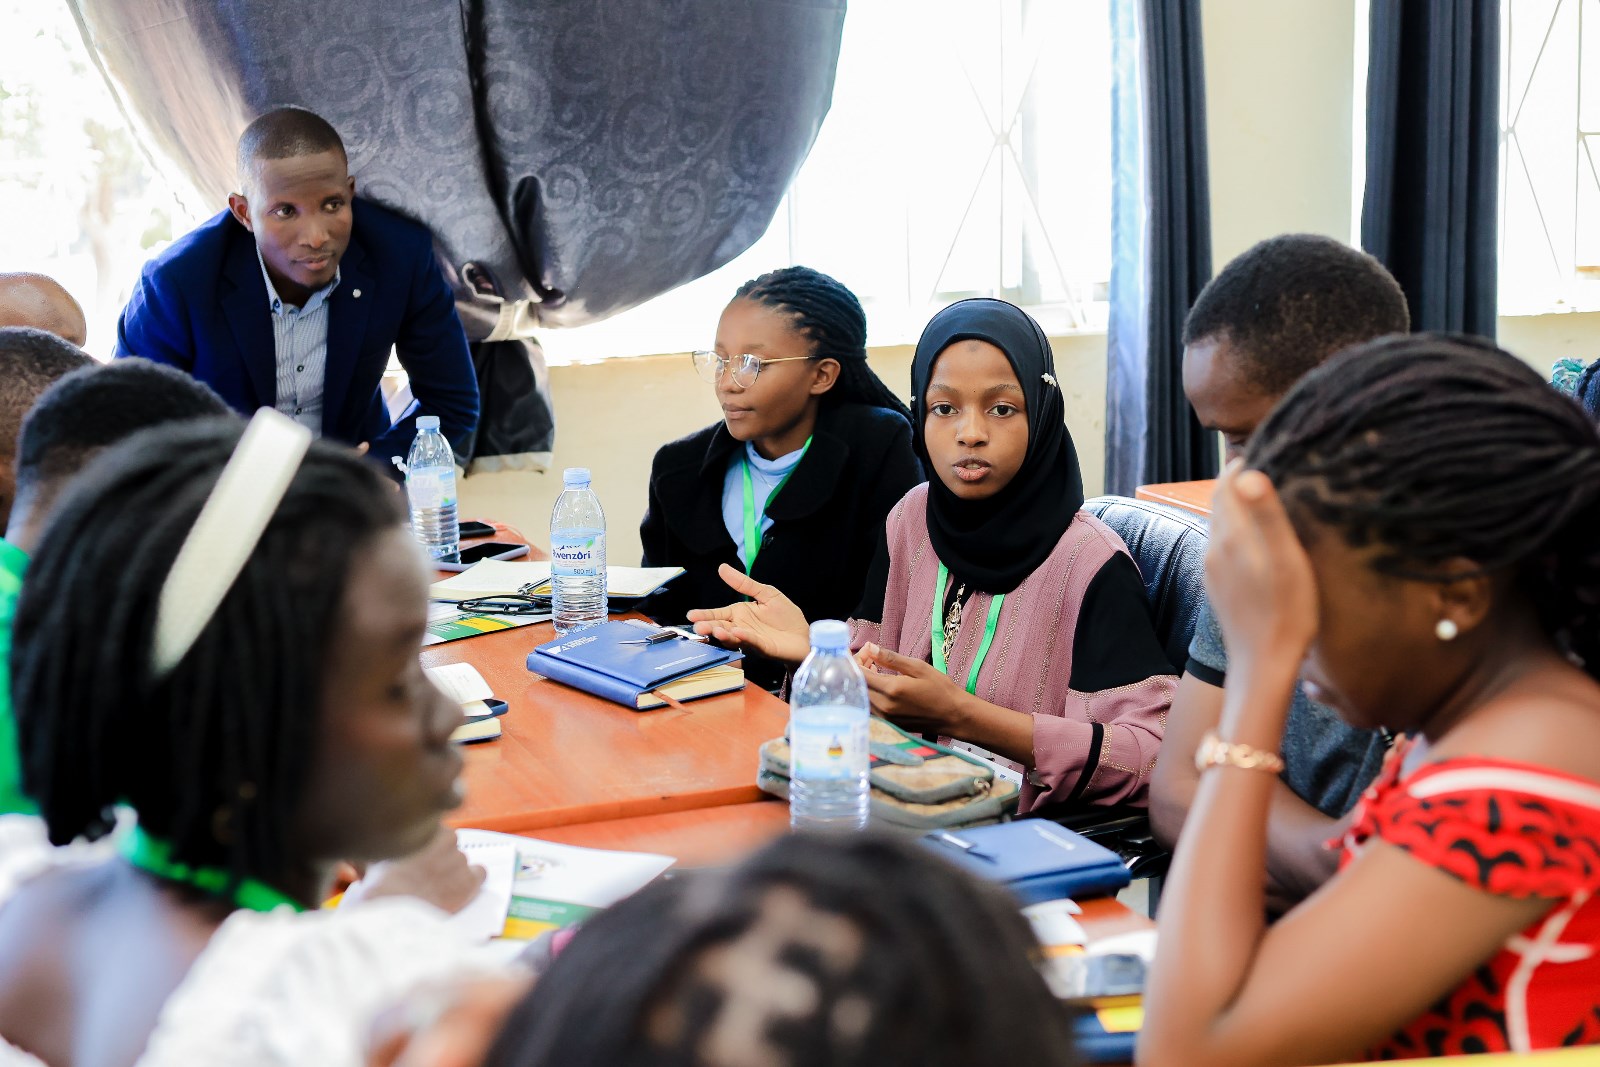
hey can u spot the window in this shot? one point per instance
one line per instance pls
(1550, 156)
(967, 153)
(82, 202)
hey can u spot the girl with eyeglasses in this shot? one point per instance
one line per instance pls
(793, 486)
(1004, 618)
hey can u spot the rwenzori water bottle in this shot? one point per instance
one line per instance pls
(577, 555)
(431, 489)
(828, 715)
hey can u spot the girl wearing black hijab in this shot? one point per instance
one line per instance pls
(1008, 619)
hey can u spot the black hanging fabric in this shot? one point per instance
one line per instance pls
(1161, 242)
(1431, 209)
(573, 159)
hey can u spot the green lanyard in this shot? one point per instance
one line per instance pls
(752, 518)
(154, 856)
(989, 627)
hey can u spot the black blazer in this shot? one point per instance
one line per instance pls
(827, 520)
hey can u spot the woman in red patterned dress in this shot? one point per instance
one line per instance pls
(1417, 537)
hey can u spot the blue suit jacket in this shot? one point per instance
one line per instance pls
(202, 307)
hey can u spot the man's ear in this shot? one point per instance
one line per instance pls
(352, 184)
(239, 207)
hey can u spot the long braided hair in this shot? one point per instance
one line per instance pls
(214, 756)
(830, 316)
(851, 951)
(1436, 447)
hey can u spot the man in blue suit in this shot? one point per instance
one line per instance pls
(293, 297)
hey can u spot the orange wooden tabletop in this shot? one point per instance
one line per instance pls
(567, 757)
(1191, 496)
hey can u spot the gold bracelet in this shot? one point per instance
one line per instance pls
(1215, 752)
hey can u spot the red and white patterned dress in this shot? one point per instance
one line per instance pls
(1516, 830)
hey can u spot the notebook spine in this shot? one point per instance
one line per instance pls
(567, 672)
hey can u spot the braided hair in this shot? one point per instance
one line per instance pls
(1439, 447)
(213, 756)
(816, 952)
(830, 316)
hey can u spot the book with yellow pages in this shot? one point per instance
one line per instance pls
(480, 709)
(496, 577)
(638, 665)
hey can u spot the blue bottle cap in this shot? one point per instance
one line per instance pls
(427, 422)
(830, 634)
(575, 477)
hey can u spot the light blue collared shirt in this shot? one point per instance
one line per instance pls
(300, 338)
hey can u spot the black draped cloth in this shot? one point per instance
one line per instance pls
(1431, 208)
(573, 158)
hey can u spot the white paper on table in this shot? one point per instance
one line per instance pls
(492, 577)
(461, 682)
(638, 581)
(593, 877)
(485, 916)
(1054, 924)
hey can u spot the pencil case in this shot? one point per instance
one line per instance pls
(916, 784)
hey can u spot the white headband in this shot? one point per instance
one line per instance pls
(230, 524)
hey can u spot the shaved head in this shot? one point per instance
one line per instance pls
(284, 133)
(40, 302)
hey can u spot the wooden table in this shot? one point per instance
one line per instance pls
(576, 769)
(567, 757)
(1190, 496)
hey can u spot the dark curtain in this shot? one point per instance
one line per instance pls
(1161, 242)
(573, 158)
(1431, 209)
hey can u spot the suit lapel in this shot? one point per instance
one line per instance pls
(347, 327)
(245, 307)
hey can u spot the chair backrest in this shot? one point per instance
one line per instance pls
(1169, 545)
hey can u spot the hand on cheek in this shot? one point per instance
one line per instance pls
(1258, 576)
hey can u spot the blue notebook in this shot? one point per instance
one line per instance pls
(618, 661)
(1035, 858)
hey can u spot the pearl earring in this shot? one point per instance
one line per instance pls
(1447, 630)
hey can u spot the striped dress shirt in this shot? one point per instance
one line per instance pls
(300, 338)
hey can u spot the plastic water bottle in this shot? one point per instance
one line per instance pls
(828, 787)
(577, 555)
(431, 489)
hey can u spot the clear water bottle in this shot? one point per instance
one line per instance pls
(828, 714)
(577, 555)
(431, 489)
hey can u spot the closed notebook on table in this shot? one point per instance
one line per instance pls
(618, 661)
(1035, 858)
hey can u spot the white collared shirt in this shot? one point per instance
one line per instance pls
(300, 339)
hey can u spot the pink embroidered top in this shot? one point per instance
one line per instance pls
(1093, 746)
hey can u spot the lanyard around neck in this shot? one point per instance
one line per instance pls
(752, 518)
(989, 626)
(154, 857)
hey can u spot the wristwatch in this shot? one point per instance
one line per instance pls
(1215, 752)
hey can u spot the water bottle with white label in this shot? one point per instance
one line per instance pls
(577, 555)
(828, 715)
(430, 471)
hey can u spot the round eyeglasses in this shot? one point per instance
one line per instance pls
(746, 368)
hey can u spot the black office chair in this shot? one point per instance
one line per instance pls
(1169, 546)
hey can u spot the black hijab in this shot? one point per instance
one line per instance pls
(994, 544)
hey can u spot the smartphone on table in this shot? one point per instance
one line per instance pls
(471, 554)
